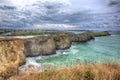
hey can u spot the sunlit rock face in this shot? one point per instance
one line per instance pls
(11, 56)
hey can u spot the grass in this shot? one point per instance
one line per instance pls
(25, 33)
(34, 32)
(87, 71)
(102, 33)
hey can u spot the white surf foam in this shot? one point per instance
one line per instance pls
(31, 61)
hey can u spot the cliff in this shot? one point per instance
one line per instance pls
(39, 46)
(98, 34)
(62, 42)
(14, 50)
(83, 37)
(11, 56)
(47, 45)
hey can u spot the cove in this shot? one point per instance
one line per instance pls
(102, 49)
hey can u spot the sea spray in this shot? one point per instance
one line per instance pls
(31, 61)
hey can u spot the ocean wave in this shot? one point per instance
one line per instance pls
(31, 61)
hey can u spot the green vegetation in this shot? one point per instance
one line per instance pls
(25, 33)
(89, 75)
(35, 32)
(12, 32)
(103, 33)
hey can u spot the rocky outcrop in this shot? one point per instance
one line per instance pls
(62, 42)
(46, 45)
(49, 44)
(81, 37)
(98, 34)
(11, 56)
(39, 46)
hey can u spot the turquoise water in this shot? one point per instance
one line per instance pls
(102, 49)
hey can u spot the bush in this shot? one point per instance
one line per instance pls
(89, 75)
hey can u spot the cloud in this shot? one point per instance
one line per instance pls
(41, 11)
(53, 26)
(5, 7)
(114, 2)
(58, 13)
(114, 5)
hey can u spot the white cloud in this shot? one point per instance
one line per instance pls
(53, 26)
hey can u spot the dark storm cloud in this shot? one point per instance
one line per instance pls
(5, 7)
(114, 3)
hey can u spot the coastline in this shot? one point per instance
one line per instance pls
(48, 45)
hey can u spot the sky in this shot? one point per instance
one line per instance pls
(59, 14)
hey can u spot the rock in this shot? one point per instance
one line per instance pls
(1, 78)
(81, 37)
(49, 44)
(11, 56)
(40, 46)
(28, 70)
(98, 34)
(62, 42)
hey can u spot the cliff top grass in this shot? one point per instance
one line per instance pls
(9, 38)
(25, 33)
(57, 36)
(35, 32)
(88, 71)
(52, 34)
(101, 33)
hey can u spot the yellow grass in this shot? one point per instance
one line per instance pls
(86, 71)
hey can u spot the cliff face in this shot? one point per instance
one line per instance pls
(49, 44)
(98, 34)
(81, 37)
(41, 46)
(62, 42)
(11, 56)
